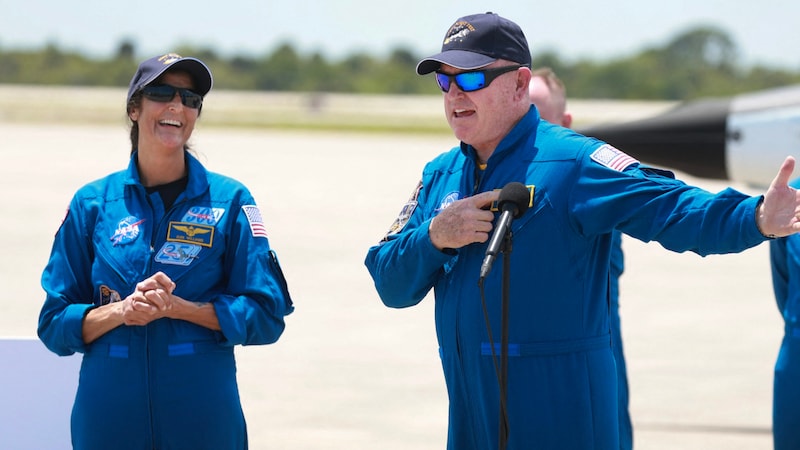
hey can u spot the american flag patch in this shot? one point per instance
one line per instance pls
(612, 158)
(256, 222)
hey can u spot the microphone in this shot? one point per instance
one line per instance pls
(513, 202)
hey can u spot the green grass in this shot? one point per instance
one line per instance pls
(232, 109)
(282, 110)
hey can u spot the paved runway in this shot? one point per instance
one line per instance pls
(701, 334)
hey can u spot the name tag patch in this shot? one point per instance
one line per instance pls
(190, 233)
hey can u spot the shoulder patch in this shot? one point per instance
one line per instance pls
(253, 215)
(405, 213)
(612, 158)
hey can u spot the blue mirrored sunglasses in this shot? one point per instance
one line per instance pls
(473, 80)
(164, 93)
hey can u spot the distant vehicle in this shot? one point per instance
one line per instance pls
(743, 138)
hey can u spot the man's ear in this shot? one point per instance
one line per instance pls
(566, 122)
(523, 79)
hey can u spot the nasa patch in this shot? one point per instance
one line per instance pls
(127, 231)
(448, 200)
(612, 158)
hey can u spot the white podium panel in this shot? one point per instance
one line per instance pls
(37, 389)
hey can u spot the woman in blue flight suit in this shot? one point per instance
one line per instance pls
(156, 273)
(785, 262)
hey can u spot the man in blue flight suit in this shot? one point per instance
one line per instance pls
(785, 265)
(562, 386)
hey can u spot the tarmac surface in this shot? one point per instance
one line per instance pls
(701, 334)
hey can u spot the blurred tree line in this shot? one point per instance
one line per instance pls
(701, 62)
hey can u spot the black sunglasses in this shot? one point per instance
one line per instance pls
(164, 93)
(473, 80)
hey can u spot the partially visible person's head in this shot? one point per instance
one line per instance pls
(149, 82)
(481, 104)
(549, 95)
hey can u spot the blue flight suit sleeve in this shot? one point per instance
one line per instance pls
(259, 298)
(653, 207)
(68, 291)
(409, 256)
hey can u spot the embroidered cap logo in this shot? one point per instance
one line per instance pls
(169, 58)
(458, 32)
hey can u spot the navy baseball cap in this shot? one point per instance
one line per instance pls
(478, 40)
(149, 70)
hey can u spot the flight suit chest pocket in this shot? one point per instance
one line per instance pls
(540, 202)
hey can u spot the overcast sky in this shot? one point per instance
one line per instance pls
(765, 32)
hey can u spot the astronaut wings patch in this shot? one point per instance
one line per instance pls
(612, 158)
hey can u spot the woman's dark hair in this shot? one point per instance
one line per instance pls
(136, 102)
